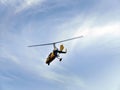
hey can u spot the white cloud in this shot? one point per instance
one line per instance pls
(27, 4)
(93, 34)
(68, 81)
(6, 54)
(21, 5)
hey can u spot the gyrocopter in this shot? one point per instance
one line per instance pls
(56, 52)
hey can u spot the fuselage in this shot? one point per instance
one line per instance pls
(50, 58)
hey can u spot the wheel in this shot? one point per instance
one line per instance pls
(60, 59)
(48, 64)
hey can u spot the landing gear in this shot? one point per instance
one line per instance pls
(60, 59)
(48, 64)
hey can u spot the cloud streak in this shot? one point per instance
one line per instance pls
(21, 5)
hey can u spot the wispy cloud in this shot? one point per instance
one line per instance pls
(21, 5)
(8, 55)
(27, 4)
(68, 81)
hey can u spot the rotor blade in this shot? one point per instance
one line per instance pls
(69, 39)
(41, 45)
(56, 42)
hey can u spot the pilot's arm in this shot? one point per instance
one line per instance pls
(63, 51)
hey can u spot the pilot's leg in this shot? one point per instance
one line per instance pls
(48, 64)
(60, 59)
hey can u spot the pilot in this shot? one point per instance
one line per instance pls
(57, 52)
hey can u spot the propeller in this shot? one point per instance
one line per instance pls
(56, 42)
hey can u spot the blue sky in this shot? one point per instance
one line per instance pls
(92, 63)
